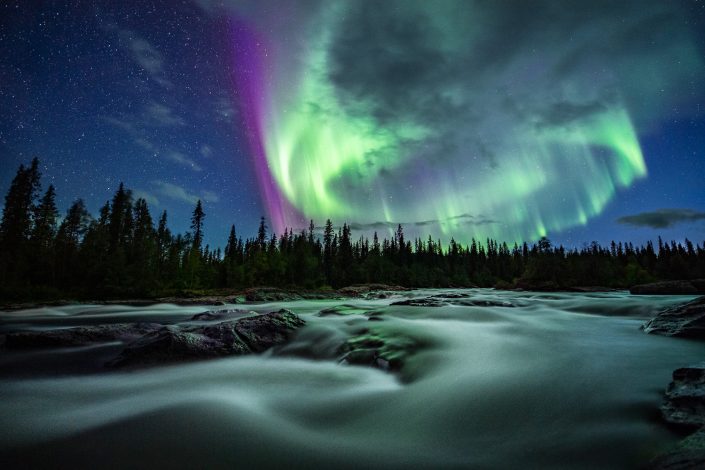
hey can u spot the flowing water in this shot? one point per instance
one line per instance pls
(558, 381)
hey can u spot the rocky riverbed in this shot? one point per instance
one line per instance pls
(387, 378)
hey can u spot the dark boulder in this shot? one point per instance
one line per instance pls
(378, 349)
(270, 294)
(370, 291)
(688, 454)
(78, 336)
(687, 320)
(214, 315)
(246, 335)
(459, 299)
(693, 287)
(684, 401)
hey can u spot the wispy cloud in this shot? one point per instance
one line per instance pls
(173, 191)
(179, 193)
(224, 110)
(158, 114)
(151, 199)
(182, 159)
(209, 196)
(146, 56)
(206, 150)
(662, 218)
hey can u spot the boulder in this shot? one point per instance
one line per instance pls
(687, 320)
(270, 294)
(692, 287)
(374, 348)
(688, 454)
(78, 336)
(459, 299)
(370, 291)
(246, 335)
(684, 401)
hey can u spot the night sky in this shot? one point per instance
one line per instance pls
(576, 120)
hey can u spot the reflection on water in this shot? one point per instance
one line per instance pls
(558, 381)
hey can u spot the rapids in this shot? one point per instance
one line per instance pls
(561, 380)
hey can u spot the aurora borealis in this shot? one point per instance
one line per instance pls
(511, 120)
(510, 158)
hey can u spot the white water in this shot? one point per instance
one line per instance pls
(560, 381)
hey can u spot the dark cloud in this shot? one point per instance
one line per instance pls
(662, 218)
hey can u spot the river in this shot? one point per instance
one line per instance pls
(559, 380)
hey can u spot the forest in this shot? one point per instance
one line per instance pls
(124, 253)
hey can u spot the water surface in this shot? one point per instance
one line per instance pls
(560, 380)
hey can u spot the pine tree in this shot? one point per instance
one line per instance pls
(197, 226)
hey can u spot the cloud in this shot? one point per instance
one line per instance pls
(206, 150)
(155, 115)
(182, 159)
(161, 115)
(224, 110)
(179, 193)
(146, 56)
(173, 191)
(662, 218)
(150, 198)
(209, 196)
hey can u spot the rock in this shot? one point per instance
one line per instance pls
(344, 309)
(79, 336)
(423, 302)
(376, 349)
(460, 299)
(684, 402)
(539, 286)
(270, 294)
(230, 337)
(261, 332)
(226, 314)
(693, 287)
(688, 454)
(370, 291)
(687, 321)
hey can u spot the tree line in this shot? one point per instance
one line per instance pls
(123, 253)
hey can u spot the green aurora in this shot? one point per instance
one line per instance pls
(423, 128)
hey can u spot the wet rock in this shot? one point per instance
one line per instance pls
(423, 302)
(688, 454)
(79, 336)
(460, 299)
(370, 291)
(387, 352)
(341, 310)
(687, 321)
(174, 343)
(261, 332)
(692, 287)
(684, 401)
(215, 315)
(270, 294)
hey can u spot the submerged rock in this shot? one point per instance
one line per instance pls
(374, 348)
(78, 336)
(687, 321)
(230, 337)
(691, 287)
(684, 403)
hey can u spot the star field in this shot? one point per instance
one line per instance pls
(513, 120)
